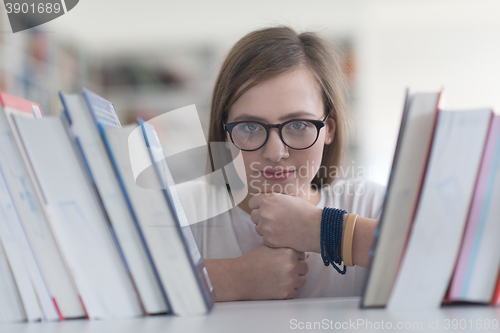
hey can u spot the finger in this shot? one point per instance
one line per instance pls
(307, 255)
(255, 216)
(255, 201)
(300, 282)
(301, 255)
(258, 229)
(302, 268)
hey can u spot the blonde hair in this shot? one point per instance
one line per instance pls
(264, 54)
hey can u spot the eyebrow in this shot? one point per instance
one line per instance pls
(288, 116)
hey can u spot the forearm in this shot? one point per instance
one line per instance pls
(223, 275)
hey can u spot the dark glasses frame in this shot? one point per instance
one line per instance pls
(318, 123)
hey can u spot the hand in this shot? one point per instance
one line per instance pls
(286, 221)
(267, 273)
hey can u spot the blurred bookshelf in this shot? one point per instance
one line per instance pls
(345, 48)
(34, 65)
(151, 83)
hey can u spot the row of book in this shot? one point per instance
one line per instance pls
(437, 240)
(78, 237)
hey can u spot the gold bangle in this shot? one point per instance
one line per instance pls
(347, 239)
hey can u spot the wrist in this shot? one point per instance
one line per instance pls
(314, 228)
(332, 226)
(344, 222)
(225, 277)
(240, 284)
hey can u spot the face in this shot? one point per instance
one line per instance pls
(275, 167)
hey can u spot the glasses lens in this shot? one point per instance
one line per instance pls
(299, 134)
(249, 135)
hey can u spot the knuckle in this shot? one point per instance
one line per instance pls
(289, 267)
(267, 214)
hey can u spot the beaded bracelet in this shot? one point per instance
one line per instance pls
(331, 237)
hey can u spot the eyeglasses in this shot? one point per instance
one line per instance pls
(297, 134)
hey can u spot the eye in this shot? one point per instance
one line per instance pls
(251, 127)
(298, 125)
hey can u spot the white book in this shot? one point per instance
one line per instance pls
(165, 241)
(11, 306)
(475, 276)
(78, 220)
(79, 112)
(15, 256)
(481, 278)
(442, 210)
(26, 197)
(408, 169)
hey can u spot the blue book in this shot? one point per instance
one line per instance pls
(88, 114)
(183, 277)
(175, 204)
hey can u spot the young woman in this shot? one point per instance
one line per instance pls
(279, 98)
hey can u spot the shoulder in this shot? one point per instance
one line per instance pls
(355, 195)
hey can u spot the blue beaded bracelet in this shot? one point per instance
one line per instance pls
(331, 237)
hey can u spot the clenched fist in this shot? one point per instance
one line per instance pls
(286, 221)
(268, 273)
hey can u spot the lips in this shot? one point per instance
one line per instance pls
(277, 174)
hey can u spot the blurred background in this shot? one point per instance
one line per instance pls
(153, 56)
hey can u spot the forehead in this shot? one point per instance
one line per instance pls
(290, 94)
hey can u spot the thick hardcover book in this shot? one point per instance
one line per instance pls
(475, 276)
(408, 169)
(437, 230)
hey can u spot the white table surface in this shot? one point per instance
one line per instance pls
(330, 314)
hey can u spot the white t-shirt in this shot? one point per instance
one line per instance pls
(231, 234)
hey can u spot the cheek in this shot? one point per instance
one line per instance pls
(252, 163)
(248, 165)
(310, 160)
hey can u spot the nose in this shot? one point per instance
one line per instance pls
(275, 149)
